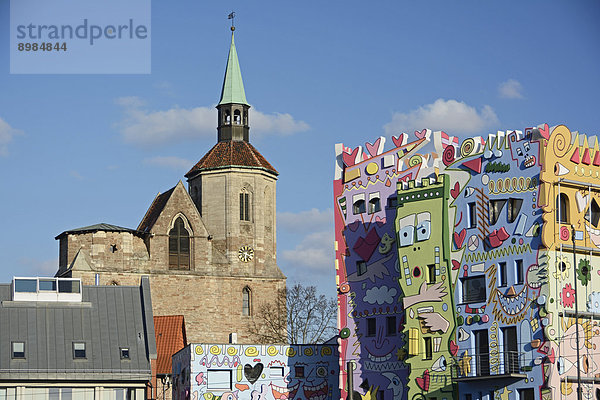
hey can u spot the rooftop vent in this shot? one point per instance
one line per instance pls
(46, 289)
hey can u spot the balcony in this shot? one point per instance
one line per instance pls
(502, 365)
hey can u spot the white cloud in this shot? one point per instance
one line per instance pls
(35, 267)
(380, 295)
(76, 175)
(305, 221)
(275, 124)
(511, 89)
(7, 133)
(170, 162)
(313, 254)
(151, 128)
(448, 115)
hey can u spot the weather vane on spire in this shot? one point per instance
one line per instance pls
(231, 16)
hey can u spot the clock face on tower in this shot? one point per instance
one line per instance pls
(246, 253)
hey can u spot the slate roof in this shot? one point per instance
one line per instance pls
(170, 338)
(109, 317)
(232, 153)
(97, 227)
(159, 203)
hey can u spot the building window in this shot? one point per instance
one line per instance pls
(392, 201)
(358, 207)
(428, 343)
(496, 207)
(502, 274)
(237, 117)
(244, 206)
(124, 353)
(472, 215)
(79, 350)
(562, 208)
(374, 203)
(514, 207)
(390, 326)
(519, 271)
(593, 214)
(276, 372)
(218, 379)
(361, 267)
(431, 273)
(18, 349)
(299, 371)
(473, 289)
(179, 246)
(526, 394)
(371, 326)
(246, 301)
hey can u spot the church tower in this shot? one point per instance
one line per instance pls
(233, 185)
(210, 250)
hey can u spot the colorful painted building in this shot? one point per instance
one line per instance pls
(256, 372)
(455, 267)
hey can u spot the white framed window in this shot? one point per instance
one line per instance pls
(218, 379)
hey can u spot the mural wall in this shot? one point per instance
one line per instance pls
(256, 372)
(455, 265)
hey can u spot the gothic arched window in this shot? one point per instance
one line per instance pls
(244, 205)
(179, 246)
(246, 301)
(562, 208)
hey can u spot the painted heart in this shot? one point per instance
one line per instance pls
(545, 131)
(455, 191)
(376, 148)
(459, 238)
(400, 140)
(253, 373)
(380, 221)
(353, 226)
(423, 382)
(352, 158)
(455, 265)
(421, 134)
(453, 348)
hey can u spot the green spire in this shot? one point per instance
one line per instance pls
(233, 86)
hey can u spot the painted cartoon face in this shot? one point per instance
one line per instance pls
(411, 230)
(523, 153)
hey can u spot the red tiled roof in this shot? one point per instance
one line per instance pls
(170, 338)
(154, 211)
(235, 153)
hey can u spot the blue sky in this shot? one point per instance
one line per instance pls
(82, 149)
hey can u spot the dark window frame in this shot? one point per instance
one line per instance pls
(77, 353)
(371, 327)
(390, 326)
(18, 355)
(473, 298)
(179, 246)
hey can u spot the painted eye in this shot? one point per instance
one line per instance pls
(519, 152)
(469, 191)
(407, 235)
(439, 365)
(406, 230)
(423, 231)
(564, 365)
(321, 372)
(230, 397)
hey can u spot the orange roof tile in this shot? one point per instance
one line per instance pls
(170, 338)
(232, 153)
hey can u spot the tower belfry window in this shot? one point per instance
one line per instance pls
(237, 117)
(244, 206)
(179, 246)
